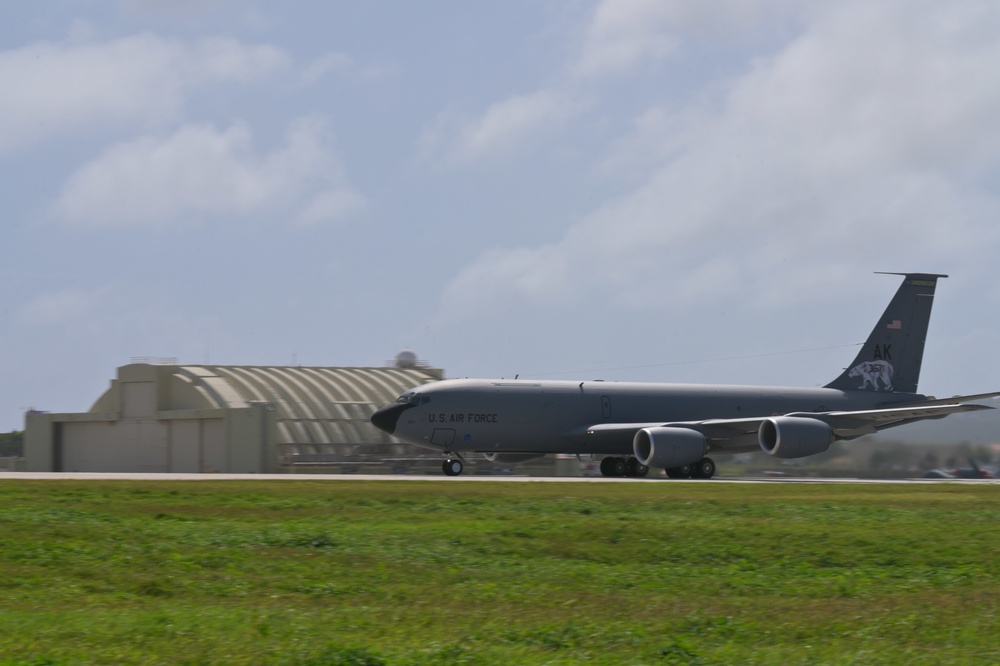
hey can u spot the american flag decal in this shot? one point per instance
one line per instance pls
(895, 325)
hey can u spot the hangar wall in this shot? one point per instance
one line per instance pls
(236, 419)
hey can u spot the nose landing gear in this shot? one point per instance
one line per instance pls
(453, 466)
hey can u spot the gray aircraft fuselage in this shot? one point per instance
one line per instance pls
(675, 426)
(522, 416)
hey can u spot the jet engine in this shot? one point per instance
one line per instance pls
(512, 457)
(794, 436)
(669, 447)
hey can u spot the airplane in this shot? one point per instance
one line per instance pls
(974, 472)
(639, 426)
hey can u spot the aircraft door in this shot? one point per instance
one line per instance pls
(443, 437)
(606, 408)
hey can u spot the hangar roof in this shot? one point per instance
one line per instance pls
(314, 406)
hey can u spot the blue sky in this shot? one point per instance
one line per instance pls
(620, 189)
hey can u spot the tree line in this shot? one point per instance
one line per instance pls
(12, 444)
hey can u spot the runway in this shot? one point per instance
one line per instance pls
(139, 476)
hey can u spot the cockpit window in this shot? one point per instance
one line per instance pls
(411, 398)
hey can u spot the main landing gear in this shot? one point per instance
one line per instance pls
(703, 469)
(614, 466)
(631, 467)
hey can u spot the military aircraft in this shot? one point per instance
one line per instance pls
(638, 426)
(974, 472)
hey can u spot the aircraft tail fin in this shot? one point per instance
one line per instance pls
(889, 360)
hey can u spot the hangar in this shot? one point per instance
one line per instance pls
(164, 417)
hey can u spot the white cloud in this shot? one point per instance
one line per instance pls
(503, 127)
(51, 88)
(883, 84)
(621, 37)
(225, 59)
(518, 277)
(330, 206)
(320, 67)
(862, 143)
(625, 32)
(201, 171)
(624, 35)
(178, 6)
(343, 64)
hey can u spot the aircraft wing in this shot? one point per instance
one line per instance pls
(866, 422)
(740, 433)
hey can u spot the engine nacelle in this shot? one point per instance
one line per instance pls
(669, 447)
(794, 436)
(511, 457)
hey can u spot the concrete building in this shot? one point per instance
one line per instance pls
(236, 419)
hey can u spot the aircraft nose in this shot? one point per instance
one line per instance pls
(386, 418)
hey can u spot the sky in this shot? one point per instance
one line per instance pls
(646, 190)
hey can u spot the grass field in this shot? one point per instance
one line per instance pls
(421, 573)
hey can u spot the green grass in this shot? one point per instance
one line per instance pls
(420, 573)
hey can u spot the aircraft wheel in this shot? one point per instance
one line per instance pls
(452, 467)
(682, 472)
(618, 467)
(703, 469)
(634, 468)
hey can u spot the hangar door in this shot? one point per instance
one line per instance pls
(115, 446)
(142, 445)
(197, 445)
